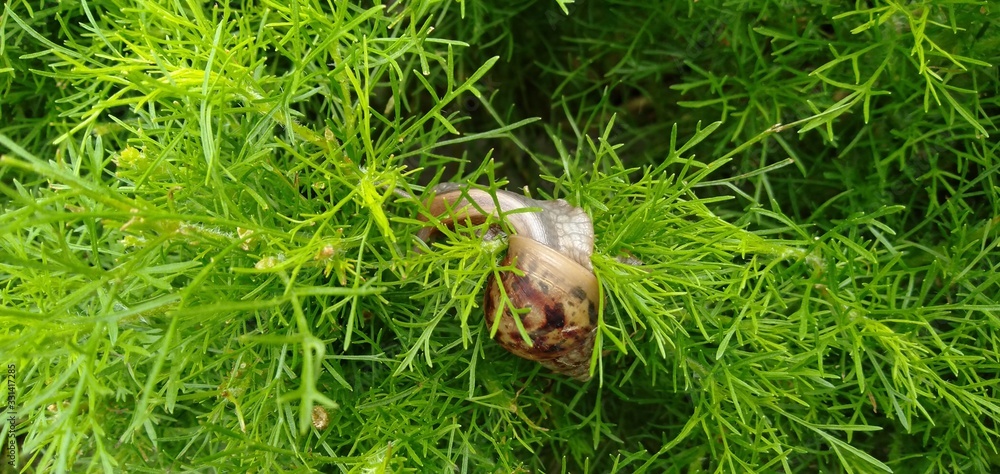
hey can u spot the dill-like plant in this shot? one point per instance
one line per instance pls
(208, 262)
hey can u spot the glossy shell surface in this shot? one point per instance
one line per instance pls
(558, 225)
(560, 297)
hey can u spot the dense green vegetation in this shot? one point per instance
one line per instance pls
(208, 261)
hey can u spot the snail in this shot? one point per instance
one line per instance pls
(558, 289)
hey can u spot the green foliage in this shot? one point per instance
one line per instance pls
(207, 252)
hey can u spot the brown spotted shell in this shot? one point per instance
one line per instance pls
(552, 247)
(561, 298)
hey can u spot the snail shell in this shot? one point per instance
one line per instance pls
(552, 248)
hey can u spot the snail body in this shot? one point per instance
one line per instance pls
(557, 295)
